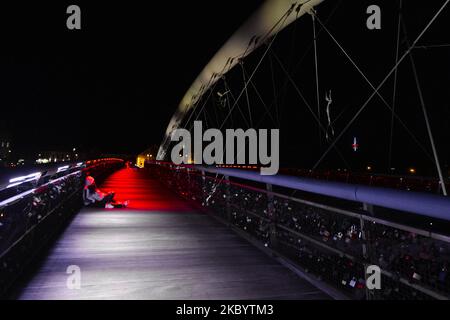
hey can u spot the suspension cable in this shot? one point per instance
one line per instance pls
(425, 115)
(394, 94)
(260, 97)
(306, 52)
(382, 83)
(432, 46)
(275, 96)
(230, 92)
(222, 72)
(203, 105)
(282, 20)
(246, 92)
(317, 75)
(357, 67)
(306, 103)
(227, 89)
(215, 111)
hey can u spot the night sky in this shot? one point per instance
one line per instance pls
(114, 85)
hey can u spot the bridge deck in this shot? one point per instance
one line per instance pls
(158, 248)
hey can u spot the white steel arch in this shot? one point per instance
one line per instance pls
(269, 19)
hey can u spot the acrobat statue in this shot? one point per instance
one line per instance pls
(330, 124)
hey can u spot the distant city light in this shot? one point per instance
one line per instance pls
(412, 170)
(39, 161)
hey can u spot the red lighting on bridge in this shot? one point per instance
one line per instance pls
(142, 191)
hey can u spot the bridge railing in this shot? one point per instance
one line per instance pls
(35, 205)
(332, 238)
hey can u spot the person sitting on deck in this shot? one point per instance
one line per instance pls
(95, 197)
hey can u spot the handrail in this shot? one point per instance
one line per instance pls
(276, 228)
(17, 177)
(21, 196)
(34, 210)
(424, 204)
(349, 213)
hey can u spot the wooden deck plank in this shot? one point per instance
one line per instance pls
(157, 253)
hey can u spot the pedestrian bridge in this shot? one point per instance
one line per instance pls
(218, 233)
(160, 247)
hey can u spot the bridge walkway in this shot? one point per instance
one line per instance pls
(158, 248)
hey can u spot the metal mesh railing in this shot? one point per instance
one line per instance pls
(324, 238)
(30, 218)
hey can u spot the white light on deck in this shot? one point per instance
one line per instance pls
(33, 176)
(62, 169)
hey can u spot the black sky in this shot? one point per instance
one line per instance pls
(114, 85)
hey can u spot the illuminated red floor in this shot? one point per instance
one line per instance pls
(143, 191)
(158, 248)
